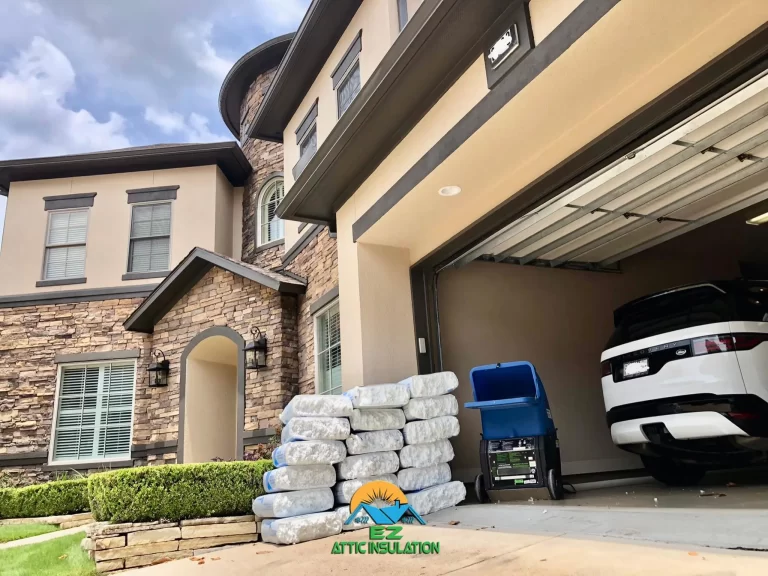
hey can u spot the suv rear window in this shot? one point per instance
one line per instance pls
(751, 302)
(667, 312)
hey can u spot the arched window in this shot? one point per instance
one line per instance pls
(270, 227)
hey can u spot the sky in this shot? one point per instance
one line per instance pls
(89, 75)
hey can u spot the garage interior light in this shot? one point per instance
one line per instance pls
(757, 220)
(449, 191)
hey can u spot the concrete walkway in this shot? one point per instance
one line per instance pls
(469, 552)
(43, 537)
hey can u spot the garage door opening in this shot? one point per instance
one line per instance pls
(685, 208)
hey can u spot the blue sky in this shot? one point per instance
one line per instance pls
(87, 75)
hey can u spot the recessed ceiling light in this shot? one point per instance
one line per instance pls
(757, 220)
(455, 190)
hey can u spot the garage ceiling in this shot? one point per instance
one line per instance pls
(709, 166)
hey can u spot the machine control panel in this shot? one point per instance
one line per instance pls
(513, 460)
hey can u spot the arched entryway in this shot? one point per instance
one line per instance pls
(211, 401)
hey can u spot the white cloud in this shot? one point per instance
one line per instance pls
(194, 128)
(32, 7)
(278, 16)
(196, 39)
(35, 119)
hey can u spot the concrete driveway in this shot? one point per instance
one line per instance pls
(465, 551)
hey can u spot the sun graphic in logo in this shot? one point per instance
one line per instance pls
(379, 494)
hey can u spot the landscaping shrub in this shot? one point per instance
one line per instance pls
(176, 491)
(51, 499)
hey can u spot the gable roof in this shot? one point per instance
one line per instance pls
(226, 155)
(188, 273)
(235, 86)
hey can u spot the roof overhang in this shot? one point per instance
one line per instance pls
(226, 155)
(318, 34)
(188, 273)
(436, 47)
(235, 86)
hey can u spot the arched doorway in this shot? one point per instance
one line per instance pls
(211, 401)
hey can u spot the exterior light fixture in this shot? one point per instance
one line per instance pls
(757, 220)
(256, 351)
(449, 191)
(158, 370)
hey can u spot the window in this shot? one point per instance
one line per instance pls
(270, 226)
(328, 350)
(308, 146)
(402, 13)
(65, 245)
(348, 88)
(150, 237)
(94, 412)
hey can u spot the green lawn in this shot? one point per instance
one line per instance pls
(19, 531)
(57, 557)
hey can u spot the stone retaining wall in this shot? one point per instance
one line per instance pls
(131, 545)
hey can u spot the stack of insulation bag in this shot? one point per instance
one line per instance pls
(425, 475)
(377, 421)
(298, 504)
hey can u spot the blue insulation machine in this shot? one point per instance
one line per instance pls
(519, 447)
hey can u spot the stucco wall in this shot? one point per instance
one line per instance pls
(560, 321)
(225, 217)
(193, 223)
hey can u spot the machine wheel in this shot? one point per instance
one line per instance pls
(482, 495)
(555, 485)
(673, 473)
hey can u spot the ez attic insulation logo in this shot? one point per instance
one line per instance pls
(381, 506)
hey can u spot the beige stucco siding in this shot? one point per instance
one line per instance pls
(225, 222)
(237, 222)
(547, 14)
(378, 21)
(193, 223)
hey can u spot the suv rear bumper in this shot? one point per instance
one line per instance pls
(689, 426)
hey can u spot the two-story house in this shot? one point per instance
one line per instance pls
(439, 184)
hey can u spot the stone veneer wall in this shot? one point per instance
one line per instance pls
(30, 337)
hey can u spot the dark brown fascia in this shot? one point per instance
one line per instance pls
(235, 86)
(226, 155)
(436, 47)
(317, 36)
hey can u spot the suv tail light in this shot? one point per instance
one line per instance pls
(712, 344)
(748, 341)
(606, 368)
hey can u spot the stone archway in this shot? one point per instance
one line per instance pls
(212, 397)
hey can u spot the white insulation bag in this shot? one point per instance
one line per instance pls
(313, 405)
(309, 452)
(437, 497)
(299, 478)
(422, 431)
(410, 479)
(300, 528)
(346, 489)
(423, 455)
(377, 419)
(379, 441)
(309, 428)
(379, 396)
(363, 465)
(425, 385)
(426, 408)
(287, 504)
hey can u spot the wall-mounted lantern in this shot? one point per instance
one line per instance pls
(158, 370)
(256, 351)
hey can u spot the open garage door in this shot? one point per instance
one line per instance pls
(711, 165)
(672, 212)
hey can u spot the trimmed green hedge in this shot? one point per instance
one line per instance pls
(51, 499)
(176, 491)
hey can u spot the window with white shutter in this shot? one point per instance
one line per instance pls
(270, 226)
(328, 350)
(65, 245)
(150, 238)
(94, 412)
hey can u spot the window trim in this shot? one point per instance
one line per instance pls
(131, 274)
(345, 66)
(44, 281)
(315, 317)
(51, 448)
(264, 187)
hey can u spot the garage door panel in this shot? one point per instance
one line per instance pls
(717, 202)
(587, 238)
(567, 229)
(527, 228)
(758, 97)
(630, 240)
(743, 135)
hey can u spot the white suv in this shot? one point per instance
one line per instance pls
(685, 379)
